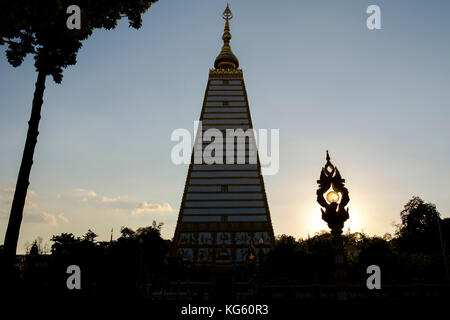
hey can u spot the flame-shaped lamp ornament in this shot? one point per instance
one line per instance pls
(333, 197)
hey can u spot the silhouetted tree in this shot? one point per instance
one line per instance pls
(89, 236)
(306, 260)
(84, 251)
(372, 251)
(139, 256)
(36, 247)
(418, 231)
(39, 28)
(309, 260)
(115, 267)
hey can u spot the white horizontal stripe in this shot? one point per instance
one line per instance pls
(228, 146)
(207, 160)
(239, 134)
(218, 98)
(229, 161)
(230, 211)
(205, 189)
(216, 82)
(198, 159)
(225, 166)
(218, 204)
(237, 104)
(240, 147)
(228, 139)
(234, 82)
(224, 115)
(246, 218)
(240, 153)
(225, 93)
(244, 188)
(216, 174)
(224, 181)
(201, 219)
(214, 104)
(225, 87)
(228, 154)
(226, 121)
(222, 196)
(224, 109)
(225, 126)
(250, 159)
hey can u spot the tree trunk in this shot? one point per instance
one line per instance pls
(20, 193)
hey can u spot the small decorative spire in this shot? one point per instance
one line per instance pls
(227, 14)
(226, 59)
(329, 167)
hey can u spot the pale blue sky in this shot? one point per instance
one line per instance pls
(378, 100)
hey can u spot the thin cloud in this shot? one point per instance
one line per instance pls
(43, 217)
(63, 218)
(109, 200)
(144, 207)
(7, 195)
(86, 196)
(46, 218)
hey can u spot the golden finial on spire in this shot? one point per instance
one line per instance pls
(227, 14)
(226, 59)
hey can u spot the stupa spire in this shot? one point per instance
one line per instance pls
(224, 204)
(226, 59)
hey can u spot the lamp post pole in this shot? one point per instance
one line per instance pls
(251, 262)
(333, 197)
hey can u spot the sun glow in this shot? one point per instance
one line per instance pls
(315, 223)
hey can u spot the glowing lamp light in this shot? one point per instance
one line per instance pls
(333, 197)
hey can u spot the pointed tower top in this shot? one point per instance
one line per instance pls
(226, 59)
(329, 167)
(227, 14)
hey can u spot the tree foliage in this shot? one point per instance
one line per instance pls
(136, 257)
(39, 28)
(418, 231)
(414, 253)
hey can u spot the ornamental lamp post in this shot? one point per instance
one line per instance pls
(333, 198)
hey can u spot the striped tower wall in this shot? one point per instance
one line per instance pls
(224, 206)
